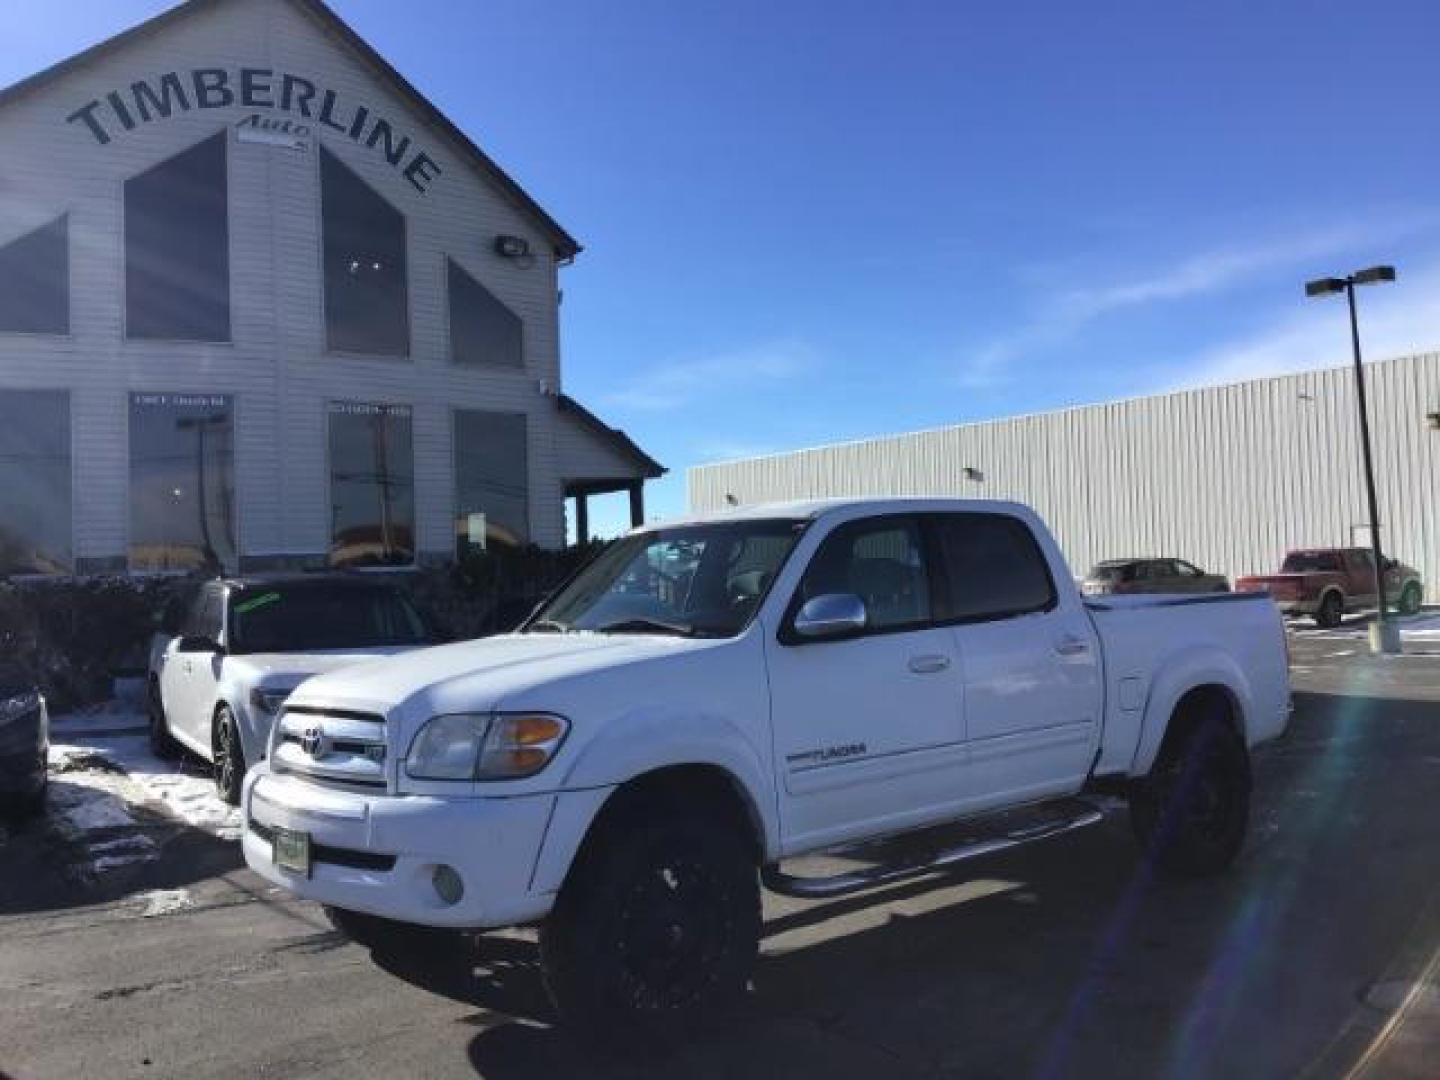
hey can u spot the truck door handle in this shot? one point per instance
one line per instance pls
(1072, 646)
(927, 665)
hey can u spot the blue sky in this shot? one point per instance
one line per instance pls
(813, 221)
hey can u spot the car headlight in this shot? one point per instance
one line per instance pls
(485, 746)
(268, 700)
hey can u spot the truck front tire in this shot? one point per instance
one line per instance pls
(1190, 814)
(1330, 612)
(656, 928)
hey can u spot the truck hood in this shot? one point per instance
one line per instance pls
(290, 669)
(476, 676)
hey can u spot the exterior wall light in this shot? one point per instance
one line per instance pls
(512, 247)
(1434, 419)
(972, 473)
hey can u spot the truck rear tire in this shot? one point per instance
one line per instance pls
(1330, 612)
(1409, 599)
(656, 928)
(1190, 814)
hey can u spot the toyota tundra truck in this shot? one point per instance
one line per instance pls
(710, 699)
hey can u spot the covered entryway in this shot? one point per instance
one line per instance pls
(596, 459)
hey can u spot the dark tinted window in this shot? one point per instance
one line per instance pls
(182, 482)
(1304, 562)
(35, 281)
(309, 617)
(482, 329)
(881, 561)
(1114, 571)
(372, 485)
(491, 480)
(366, 299)
(177, 248)
(993, 565)
(34, 482)
(203, 618)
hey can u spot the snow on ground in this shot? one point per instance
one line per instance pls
(106, 785)
(1423, 628)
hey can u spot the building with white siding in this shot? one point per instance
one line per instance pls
(262, 305)
(1227, 477)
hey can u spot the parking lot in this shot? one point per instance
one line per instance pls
(135, 942)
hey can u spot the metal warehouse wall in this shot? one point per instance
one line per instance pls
(1228, 477)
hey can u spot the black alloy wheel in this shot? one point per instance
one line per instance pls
(229, 757)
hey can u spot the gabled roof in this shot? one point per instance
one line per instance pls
(645, 465)
(565, 245)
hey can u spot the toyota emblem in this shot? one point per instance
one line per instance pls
(313, 741)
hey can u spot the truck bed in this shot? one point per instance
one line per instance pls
(1154, 642)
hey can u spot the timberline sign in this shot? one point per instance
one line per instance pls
(158, 98)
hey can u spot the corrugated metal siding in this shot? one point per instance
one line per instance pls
(1228, 477)
(276, 367)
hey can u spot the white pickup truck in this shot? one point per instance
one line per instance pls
(217, 680)
(712, 697)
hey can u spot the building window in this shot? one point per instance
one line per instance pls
(34, 482)
(482, 329)
(372, 485)
(491, 481)
(366, 301)
(35, 281)
(177, 247)
(182, 482)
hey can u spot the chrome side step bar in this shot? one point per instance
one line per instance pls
(1078, 816)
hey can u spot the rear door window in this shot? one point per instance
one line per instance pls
(994, 569)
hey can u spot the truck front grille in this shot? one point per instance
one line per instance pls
(332, 746)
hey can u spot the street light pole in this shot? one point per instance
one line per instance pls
(1384, 637)
(1364, 409)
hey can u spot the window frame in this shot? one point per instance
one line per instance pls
(455, 412)
(786, 634)
(933, 522)
(69, 332)
(237, 510)
(329, 475)
(74, 556)
(327, 349)
(522, 368)
(123, 236)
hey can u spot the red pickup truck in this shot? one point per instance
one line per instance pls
(1327, 583)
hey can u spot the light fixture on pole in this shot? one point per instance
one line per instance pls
(1384, 636)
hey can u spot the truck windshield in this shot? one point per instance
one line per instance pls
(692, 581)
(316, 617)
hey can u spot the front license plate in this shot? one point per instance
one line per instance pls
(292, 851)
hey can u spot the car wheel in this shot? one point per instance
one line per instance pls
(162, 743)
(656, 928)
(1410, 599)
(229, 756)
(1191, 813)
(1330, 612)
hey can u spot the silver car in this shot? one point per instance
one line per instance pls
(1150, 576)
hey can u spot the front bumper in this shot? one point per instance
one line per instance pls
(377, 853)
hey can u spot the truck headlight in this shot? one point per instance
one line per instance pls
(485, 746)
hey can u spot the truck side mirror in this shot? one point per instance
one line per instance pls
(831, 615)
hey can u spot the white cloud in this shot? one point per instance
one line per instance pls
(1395, 320)
(681, 382)
(1203, 273)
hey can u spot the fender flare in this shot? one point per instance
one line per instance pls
(1178, 675)
(645, 742)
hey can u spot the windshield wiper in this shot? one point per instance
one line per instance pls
(647, 626)
(547, 626)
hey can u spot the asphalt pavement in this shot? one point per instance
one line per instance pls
(1315, 956)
